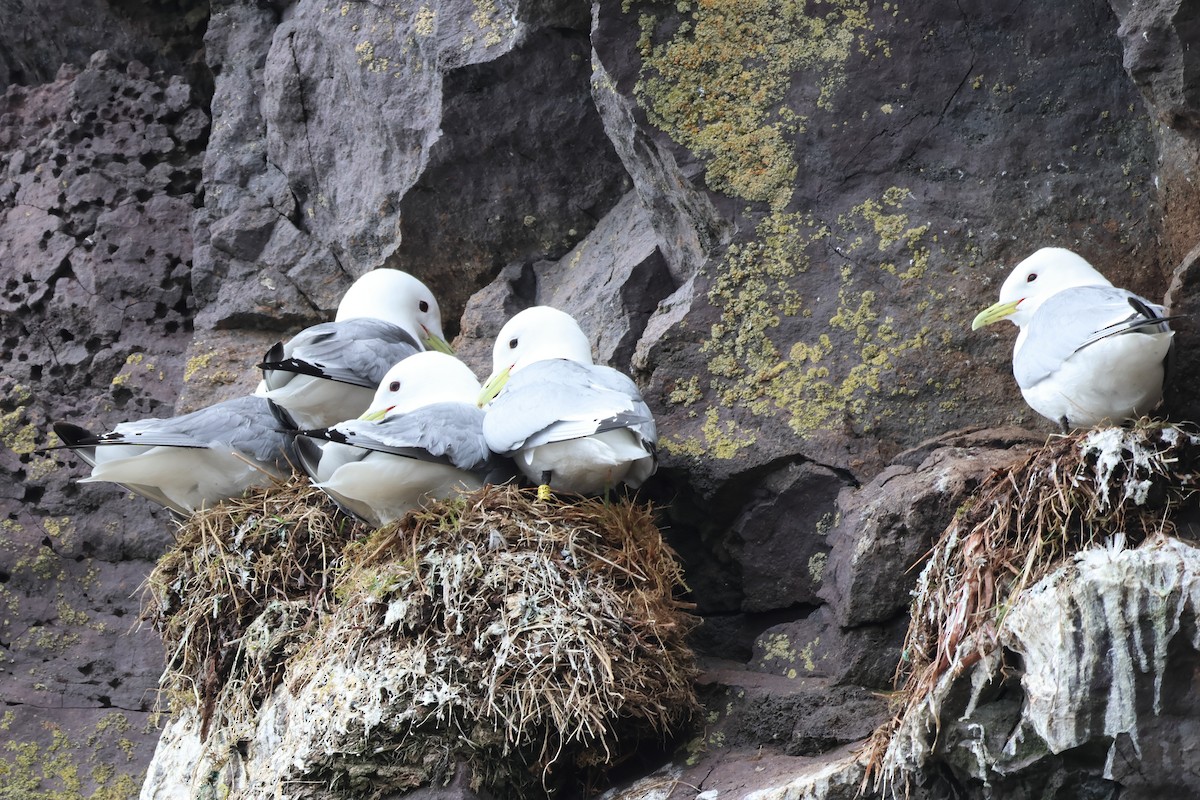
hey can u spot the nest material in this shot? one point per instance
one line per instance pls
(539, 642)
(1023, 522)
(232, 599)
(535, 640)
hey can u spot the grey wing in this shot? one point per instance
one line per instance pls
(245, 424)
(1077, 318)
(557, 400)
(617, 381)
(450, 433)
(355, 351)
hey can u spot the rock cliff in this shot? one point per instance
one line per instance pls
(779, 217)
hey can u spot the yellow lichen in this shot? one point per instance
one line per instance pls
(66, 767)
(806, 655)
(196, 365)
(716, 86)
(17, 437)
(778, 646)
(813, 383)
(686, 392)
(816, 566)
(491, 22)
(424, 22)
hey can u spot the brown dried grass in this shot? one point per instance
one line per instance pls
(232, 599)
(552, 627)
(1022, 523)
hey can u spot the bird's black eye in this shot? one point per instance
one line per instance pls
(512, 344)
(1031, 277)
(394, 386)
(424, 306)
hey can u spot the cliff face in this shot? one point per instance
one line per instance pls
(778, 217)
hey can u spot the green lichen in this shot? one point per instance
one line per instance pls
(846, 362)
(718, 84)
(66, 767)
(816, 566)
(19, 438)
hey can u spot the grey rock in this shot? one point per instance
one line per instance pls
(1157, 38)
(95, 239)
(885, 528)
(1103, 696)
(519, 120)
(610, 282)
(779, 539)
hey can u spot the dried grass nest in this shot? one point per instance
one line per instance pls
(240, 591)
(1022, 523)
(539, 642)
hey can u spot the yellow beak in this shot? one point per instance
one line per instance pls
(375, 415)
(493, 386)
(994, 313)
(434, 342)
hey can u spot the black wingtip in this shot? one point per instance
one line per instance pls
(308, 453)
(1142, 307)
(273, 356)
(1146, 310)
(74, 436)
(282, 416)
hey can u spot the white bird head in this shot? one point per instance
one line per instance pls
(1044, 274)
(420, 380)
(399, 298)
(536, 334)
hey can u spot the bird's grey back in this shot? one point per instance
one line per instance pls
(362, 348)
(1069, 319)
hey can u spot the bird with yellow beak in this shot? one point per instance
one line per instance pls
(328, 372)
(568, 424)
(1086, 351)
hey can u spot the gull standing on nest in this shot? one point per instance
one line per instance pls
(1087, 351)
(568, 424)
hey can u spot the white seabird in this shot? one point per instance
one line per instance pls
(567, 423)
(329, 372)
(421, 439)
(1087, 351)
(189, 461)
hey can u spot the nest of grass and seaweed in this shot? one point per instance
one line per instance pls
(236, 594)
(538, 642)
(1023, 522)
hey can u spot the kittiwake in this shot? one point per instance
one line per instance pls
(329, 372)
(568, 424)
(420, 439)
(1087, 351)
(190, 461)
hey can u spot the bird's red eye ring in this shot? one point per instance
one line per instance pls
(1031, 277)
(394, 386)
